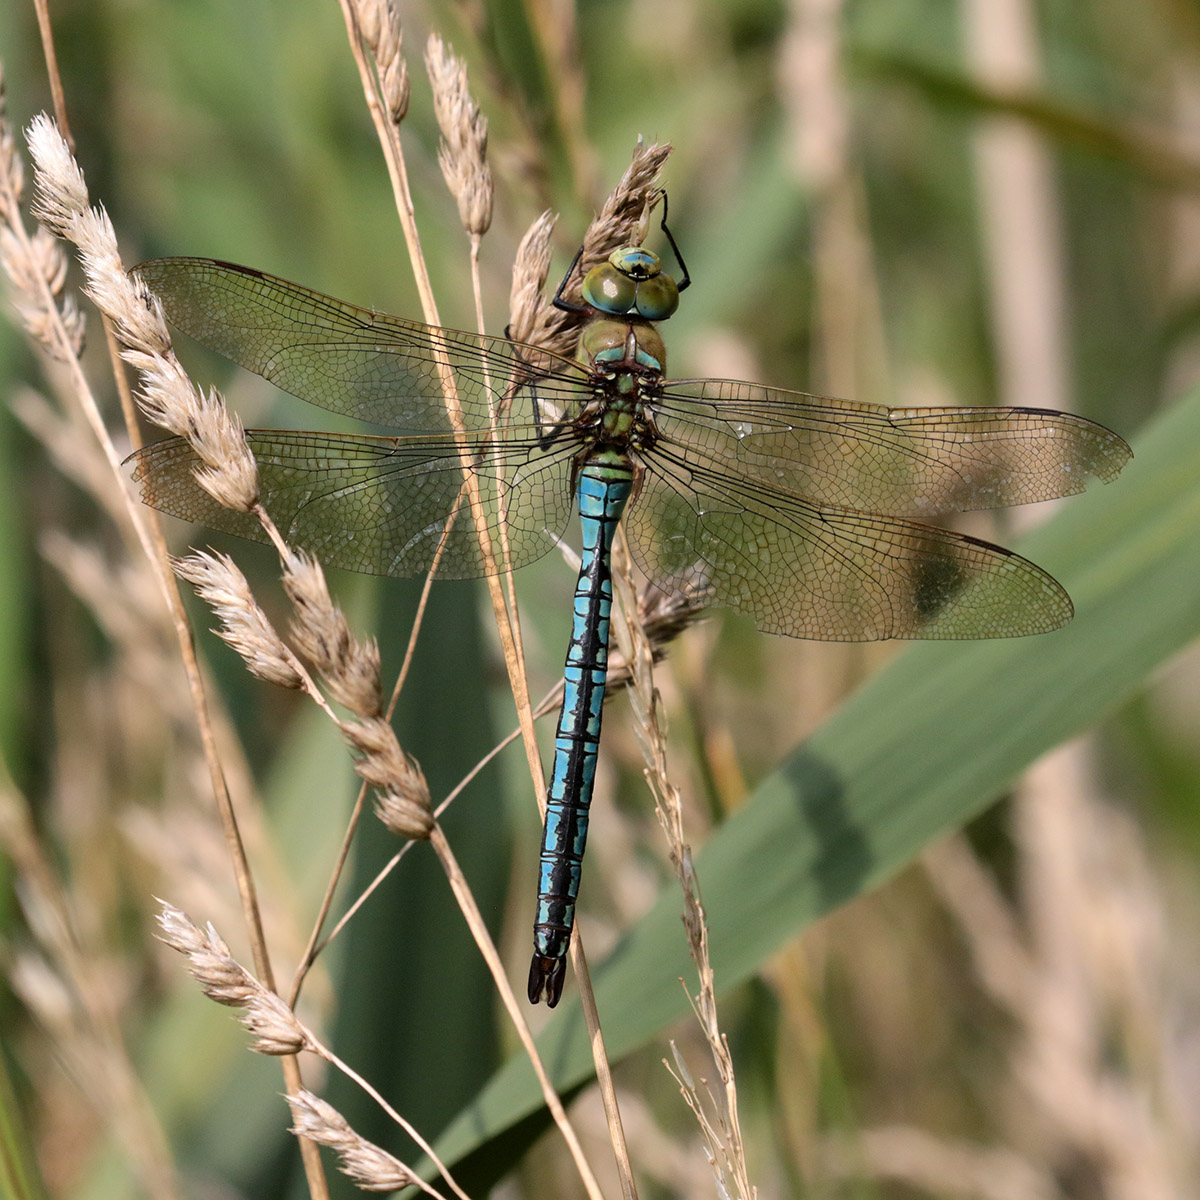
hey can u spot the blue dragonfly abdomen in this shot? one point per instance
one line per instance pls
(603, 492)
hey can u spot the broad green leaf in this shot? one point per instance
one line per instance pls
(919, 750)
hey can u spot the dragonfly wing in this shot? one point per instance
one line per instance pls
(826, 573)
(354, 361)
(899, 461)
(383, 505)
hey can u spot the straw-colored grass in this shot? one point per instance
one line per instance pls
(1012, 1019)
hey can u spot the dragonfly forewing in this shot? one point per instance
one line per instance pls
(362, 364)
(896, 462)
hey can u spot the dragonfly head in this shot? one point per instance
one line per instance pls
(631, 281)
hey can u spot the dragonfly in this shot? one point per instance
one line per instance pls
(814, 516)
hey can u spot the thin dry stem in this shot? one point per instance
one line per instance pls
(388, 132)
(369, 16)
(46, 32)
(229, 468)
(463, 158)
(721, 1130)
(350, 1073)
(491, 956)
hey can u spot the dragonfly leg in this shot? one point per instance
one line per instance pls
(559, 301)
(686, 279)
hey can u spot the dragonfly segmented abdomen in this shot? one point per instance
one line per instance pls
(602, 496)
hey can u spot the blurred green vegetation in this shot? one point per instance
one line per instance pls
(237, 130)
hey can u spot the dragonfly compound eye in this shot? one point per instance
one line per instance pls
(657, 298)
(609, 290)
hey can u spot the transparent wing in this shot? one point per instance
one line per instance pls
(828, 573)
(383, 505)
(357, 362)
(897, 461)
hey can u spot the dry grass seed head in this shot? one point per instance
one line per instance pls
(368, 1165)
(463, 152)
(381, 30)
(229, 473)
(30, 306)
(624, 218)
(275, 1027)
(622, 222)
(321, 632)
(220, 976)
(168, 398)
(663, 616)
(527, 306)
(244, 625)
(37, 264)
(61, 194)
(403, 804)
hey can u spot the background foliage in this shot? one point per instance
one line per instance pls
(889, 199)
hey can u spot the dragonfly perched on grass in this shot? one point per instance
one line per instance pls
(807, 514)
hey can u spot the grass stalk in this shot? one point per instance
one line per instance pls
(64, 204)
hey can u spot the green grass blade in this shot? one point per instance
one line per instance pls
(20, 1177)
(919, 750)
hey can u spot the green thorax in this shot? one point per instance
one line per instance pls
(609, 340)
